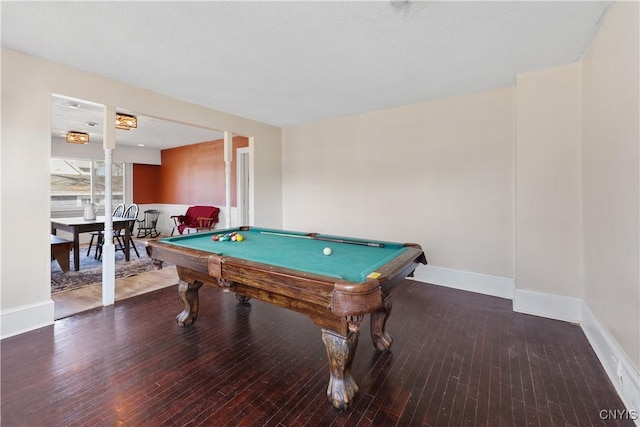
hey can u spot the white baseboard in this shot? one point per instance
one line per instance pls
(467, 281)
(18, 320)
(621, 372)
(568, 309)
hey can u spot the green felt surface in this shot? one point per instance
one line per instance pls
(347, 261)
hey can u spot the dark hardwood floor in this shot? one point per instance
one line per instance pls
(458, 359)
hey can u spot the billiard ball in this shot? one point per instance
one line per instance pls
(326, 251)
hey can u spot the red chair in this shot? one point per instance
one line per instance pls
(196, 219)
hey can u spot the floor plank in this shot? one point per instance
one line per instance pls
(458, 359)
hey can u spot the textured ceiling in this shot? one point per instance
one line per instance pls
(287, 63)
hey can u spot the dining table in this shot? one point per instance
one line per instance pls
(78, 225)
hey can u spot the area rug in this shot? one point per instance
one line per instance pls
(91, 269)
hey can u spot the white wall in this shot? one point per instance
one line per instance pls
(437, 173)
(27, 86)
(611, 175)
(548, 203)
(25, 285)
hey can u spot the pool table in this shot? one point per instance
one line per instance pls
(290, 270)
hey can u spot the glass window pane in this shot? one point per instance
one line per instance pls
(70, 183)
(117, 183)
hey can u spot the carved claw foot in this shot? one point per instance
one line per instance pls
(342, 387)
(341, 393)
(189, 294)
(184, 318)
(381, 339)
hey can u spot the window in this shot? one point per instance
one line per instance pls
(76, 182)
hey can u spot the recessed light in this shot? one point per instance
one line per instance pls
(140, 145)
(91, 124)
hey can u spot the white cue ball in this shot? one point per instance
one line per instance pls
(326, 251)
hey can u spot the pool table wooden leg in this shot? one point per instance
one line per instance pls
(242, 299)
(340, 351)
(189, 294)
(227, 286)
(381, 339)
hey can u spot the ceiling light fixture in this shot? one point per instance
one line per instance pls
(126, 122)
(77, 137)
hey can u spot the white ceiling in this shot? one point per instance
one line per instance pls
(287, 63)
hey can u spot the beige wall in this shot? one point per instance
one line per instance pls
(437, 173)
(548, 218)
(610, 158)
(27, 86)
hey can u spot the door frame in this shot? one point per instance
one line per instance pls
(242, 185)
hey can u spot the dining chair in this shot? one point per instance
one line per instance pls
(117, 211)
(131, 212)
(118, 236)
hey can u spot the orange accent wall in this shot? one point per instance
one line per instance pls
(189, 175)
(145, 183)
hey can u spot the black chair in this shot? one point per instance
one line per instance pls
(147, 225)
(119, 236)
(118, 211)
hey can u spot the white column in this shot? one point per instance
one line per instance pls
(228, 158)
(108, 250)
(92, 195)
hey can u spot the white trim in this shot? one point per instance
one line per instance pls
(559, 307)
(25, 318)
(252, 181)
(619, 369)
(242, 178)
(228, 160)
(486, 284)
